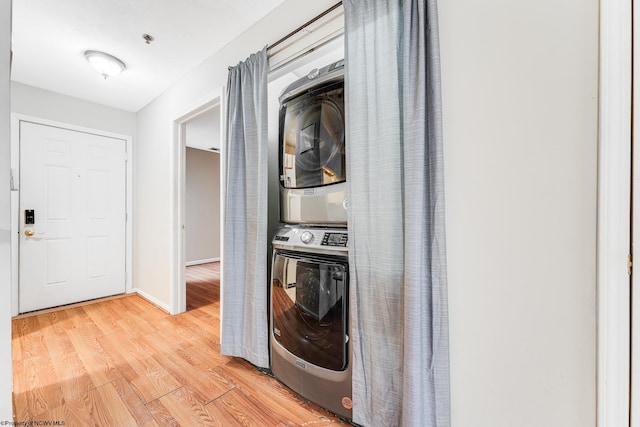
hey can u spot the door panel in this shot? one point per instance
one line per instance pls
(309, 314)
(76, 184)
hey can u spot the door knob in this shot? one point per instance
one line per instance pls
(29, 232)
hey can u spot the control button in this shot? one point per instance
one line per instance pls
(313, 74)
(306, 237)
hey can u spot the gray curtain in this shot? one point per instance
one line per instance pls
(396, 214)
(244, 321)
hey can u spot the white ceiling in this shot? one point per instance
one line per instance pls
(50, 37)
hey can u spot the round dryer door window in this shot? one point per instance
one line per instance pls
(312, 138)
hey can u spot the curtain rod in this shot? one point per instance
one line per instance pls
(305, 25)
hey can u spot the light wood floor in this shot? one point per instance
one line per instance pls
(124, 362)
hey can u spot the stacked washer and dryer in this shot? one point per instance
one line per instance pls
(309, 295)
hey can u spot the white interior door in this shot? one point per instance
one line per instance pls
(72, 216)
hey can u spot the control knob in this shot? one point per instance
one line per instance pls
(306, 237)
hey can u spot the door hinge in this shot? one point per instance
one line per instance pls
(630, 264)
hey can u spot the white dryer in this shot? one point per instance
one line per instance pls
(312, 146)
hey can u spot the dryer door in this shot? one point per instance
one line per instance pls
(309, 307)
(312, 139)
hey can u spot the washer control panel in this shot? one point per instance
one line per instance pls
(333, 239)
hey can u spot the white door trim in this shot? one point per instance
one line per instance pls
(15, 206)
(614, 201)
(635, 242)
(178, 295)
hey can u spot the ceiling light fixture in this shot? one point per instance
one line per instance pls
(107, 65)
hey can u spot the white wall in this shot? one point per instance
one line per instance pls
(48, 105)
(202, 205)
(153, 179)
(520, 113)
(204, 130)
(6, 410)
(520, 87)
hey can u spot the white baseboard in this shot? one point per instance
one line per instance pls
(202, 261)
(152, 299)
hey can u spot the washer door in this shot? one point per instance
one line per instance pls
(309, 307)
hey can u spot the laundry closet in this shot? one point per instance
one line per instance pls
(309, 329)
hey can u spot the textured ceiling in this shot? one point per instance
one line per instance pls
(49, 38)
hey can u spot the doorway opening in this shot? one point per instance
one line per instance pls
(202, 208)
(197, 196)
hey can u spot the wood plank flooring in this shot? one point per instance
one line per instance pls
(125, 362)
